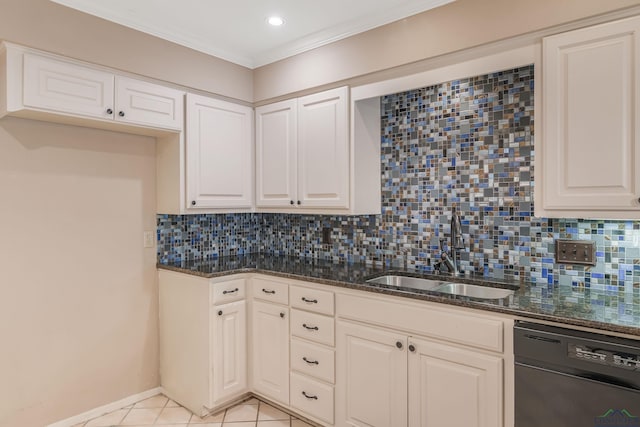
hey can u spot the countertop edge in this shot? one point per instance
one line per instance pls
(444, 299)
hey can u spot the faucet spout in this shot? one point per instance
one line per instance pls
(449, 256)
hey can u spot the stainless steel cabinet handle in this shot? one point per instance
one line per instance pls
(308, 396)
(230, 292)
(310, 301)
(311, 328)
(310, 362)
(268, 291)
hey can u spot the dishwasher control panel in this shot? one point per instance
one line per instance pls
(604, 357)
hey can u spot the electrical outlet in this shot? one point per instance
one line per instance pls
(581, 252)
(326, 236)
(149, 239)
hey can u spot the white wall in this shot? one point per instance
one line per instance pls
(78, 292)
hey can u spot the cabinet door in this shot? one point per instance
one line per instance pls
(276, 154)
(63, 87)
(229, 351)
(371, 377)
(452, 387)
(323, 149)
(148, 104)
(591, 155)
(270, 338)
(219, 154)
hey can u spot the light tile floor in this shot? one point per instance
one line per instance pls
(160, 411)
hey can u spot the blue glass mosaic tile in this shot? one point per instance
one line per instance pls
(468, 143)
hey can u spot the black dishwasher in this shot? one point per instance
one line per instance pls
(567, 378)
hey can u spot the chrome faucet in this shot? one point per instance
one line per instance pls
(450, 258)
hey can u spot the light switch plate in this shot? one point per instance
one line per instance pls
(148, 239)
(582, 252)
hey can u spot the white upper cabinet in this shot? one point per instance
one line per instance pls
(589, 161)
(66, 87)
(323, 149)
(46, 87)
(276, 154)
(306, 161)
(148, 104)
(219, 140)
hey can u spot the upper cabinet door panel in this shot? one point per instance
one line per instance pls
(591, 156)
(148, 104)
(323, 149)
(276, 154)
(219, 154)
(64, 87)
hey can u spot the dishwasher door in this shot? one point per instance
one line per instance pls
(552, 399)
(568, 378)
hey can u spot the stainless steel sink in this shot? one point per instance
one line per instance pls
(408, 282)
(473, 291)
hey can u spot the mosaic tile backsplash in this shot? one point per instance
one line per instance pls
(466, 143)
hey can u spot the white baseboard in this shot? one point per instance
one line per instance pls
(110, 407)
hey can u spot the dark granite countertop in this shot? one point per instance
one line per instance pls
(604, 310)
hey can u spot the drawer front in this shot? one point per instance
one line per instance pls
(312, 300)
(459, 325)
(271, 290)
(313, 360)
(224, 292)
(311, 326)
(312, 397)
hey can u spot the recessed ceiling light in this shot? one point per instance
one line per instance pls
(276, 21)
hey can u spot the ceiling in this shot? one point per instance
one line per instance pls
(237, 30)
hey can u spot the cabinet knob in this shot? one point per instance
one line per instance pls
(193, 203)
(291, 202)
(299, 202)
(109, 111)
(638, 199)
(121, 113)
(399, 344)
(282, 315)
(412, 348)
(220, 313)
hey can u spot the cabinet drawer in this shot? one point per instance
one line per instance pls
(313, 360)
(312, 397)
(225, 292)
(271, 290)
(314, 327)
(312, 300)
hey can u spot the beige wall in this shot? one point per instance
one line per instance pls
(78, 292)
(48, 26)
(453, 27)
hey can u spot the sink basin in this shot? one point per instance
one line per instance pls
(408, 282)
(473, 291)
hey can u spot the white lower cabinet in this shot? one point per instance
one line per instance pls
(203, 339)
(451, 386)
(337, 358)
(229, 355)
(371, 383)
(270, 358)
(454, 375)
